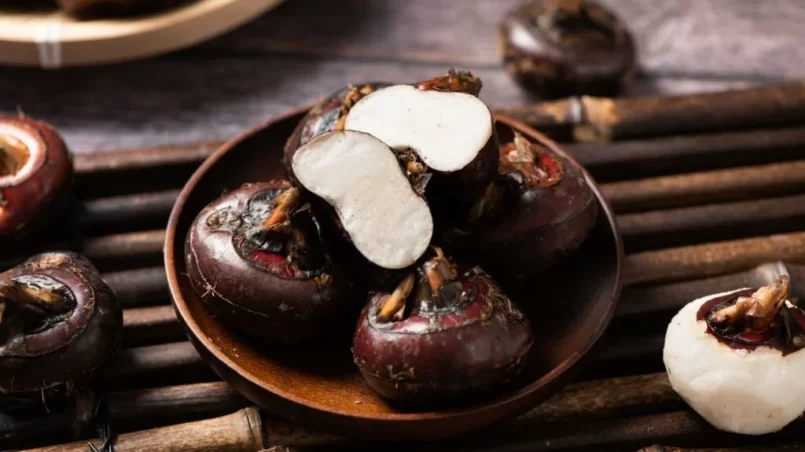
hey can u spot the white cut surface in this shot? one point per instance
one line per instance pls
(446, 130)
(740, 391)
(359, 176)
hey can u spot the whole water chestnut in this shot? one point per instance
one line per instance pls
(444, 333)
(35, 175)
(539, 210)
(59, 322)
(558, 48)
(256, 257)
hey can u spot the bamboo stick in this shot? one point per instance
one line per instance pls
(686, 153)
(142, 363)
(588, 400)
(139, 287)
(129, 210)
(604, 119)
(752, 182)
(150, 325)
(127, 160)
(699, 261)
(127, 245)
(173, 404)
(237, 432)
(715, 222)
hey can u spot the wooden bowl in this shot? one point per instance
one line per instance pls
(318, 385)
(51, 39)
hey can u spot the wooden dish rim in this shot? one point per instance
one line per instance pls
(523, 392)
(155, 34)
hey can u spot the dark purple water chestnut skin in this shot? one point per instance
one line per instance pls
(35, 175)
(442, 335)
(562, 47)
(256, 257)
(539, 210)
(59, 322)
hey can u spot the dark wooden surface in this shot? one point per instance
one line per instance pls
(306, 48)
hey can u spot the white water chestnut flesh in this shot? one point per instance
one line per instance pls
(736, 358)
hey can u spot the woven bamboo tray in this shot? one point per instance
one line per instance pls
(692, 226)
(51, 39)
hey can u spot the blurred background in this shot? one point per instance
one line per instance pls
(304, 49)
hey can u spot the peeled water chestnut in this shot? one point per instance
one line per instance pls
(737, 358)
(443, 333)
(256, 257)
(563, 47)
(59, 323)
(35, 176)
(540, 210)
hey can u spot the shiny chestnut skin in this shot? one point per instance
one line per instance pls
(466, 339)
(538, 212)
(60, 323)
(557, 48)
(35, 177)
(280, 286)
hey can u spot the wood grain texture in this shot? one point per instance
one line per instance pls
(711, 259)
(238, 432)
(706, 187)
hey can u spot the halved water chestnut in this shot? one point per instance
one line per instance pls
(444, 333)
(59, 322)
(359, 178)
(451, 133)
(331, 113)
(256, 257)
(539, 210)
(437, 127)
(562, 47)
(737, 358)
(35, 174)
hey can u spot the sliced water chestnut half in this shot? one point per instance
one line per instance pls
(35, 174)
(540, 210)
(59, 322)
(256, 257)
(452, 133)
(442, 334)
(330, 113)
(359, 177)
(561, 47)
(736, 358)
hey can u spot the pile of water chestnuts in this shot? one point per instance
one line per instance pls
(399, 198)
(59, 321)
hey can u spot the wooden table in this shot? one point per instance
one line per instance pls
(307, 48)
